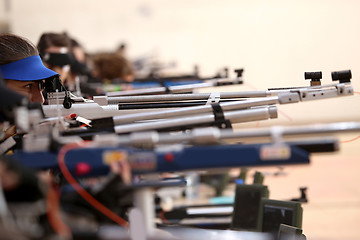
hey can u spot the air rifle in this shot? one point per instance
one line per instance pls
(151, 152)
(104, 106)
(182, 88)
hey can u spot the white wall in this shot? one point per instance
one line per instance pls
(275, 41)
(279, 36)
(4, 16)
(3, 9)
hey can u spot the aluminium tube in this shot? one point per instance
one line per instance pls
(235, 105)
(158, 90)
(172, 89)
(213, 135)
(183, 97)
(246, 115)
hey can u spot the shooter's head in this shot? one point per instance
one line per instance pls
(22, 68)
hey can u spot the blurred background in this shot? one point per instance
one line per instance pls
(274, 41)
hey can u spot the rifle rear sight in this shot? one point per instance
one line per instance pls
(314, 77)
(239, 72)
(342, 76)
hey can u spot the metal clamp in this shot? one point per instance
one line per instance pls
(213, 98)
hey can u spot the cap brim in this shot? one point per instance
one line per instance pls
(27, 69)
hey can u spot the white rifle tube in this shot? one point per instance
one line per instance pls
(213, 135)
(86, 110)
(246, 115)
(228, 106)
(182, 97)
(312, 129)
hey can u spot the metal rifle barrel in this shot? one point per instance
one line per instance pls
(182, 97)
(133, 106)
(313, 129)
(234, 105)
(173, 89)
(211, 134)
(246, 115)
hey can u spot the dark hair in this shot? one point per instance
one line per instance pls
(14, 48)
(53, 40)
(74, 43)
(111, 65)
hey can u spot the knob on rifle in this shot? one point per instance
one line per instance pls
(239, 72)
(341, 76)
(315, 78)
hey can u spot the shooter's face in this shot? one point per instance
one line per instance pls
(29, 89)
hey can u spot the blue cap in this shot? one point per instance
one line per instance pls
(27, 69)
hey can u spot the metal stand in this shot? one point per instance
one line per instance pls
(144, 203)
